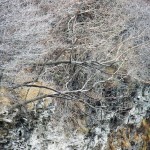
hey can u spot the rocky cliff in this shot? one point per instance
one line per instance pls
(74, 75)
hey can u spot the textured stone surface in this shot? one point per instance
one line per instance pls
(115, 114)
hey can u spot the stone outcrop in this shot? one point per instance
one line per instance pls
(74, 75)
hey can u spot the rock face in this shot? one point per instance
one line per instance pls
(74, 75)
(42, 129)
